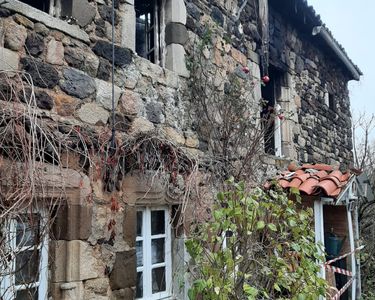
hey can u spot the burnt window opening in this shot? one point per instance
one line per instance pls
(56, 8)
(271, 126)
(43, 5)
(148, 27)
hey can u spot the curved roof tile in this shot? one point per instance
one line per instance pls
(315, 179)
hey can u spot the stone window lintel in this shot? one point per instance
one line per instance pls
(42, 17)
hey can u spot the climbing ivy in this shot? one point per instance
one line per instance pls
(257, 245)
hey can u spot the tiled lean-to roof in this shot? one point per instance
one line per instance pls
(315, 179)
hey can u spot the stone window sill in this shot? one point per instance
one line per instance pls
(42, 17)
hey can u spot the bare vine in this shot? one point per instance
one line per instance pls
(33, 143)
(225, 111)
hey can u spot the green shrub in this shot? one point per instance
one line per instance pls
(257, 245)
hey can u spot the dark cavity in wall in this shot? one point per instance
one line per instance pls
(270, 93)
(39, 4)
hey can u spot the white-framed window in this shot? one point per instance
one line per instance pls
(24, 275)
(149, 16)
(153, 247)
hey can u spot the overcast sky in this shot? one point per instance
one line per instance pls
(351, 23)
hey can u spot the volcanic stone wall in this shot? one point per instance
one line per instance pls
(70, 66)
(322, 129)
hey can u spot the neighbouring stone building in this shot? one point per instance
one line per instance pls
(101, 240)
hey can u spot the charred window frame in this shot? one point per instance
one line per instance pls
(148, 29)
(56, 8)
(271, 92)
(43, 5)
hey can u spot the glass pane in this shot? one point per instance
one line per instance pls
(27, 231)
(157, 222)
(139, 223)
(139, 292)
(158, 280)
(149, 20)
(141, 37)
(139, 249)
(29, 294)
(27, 266)
(157, 248)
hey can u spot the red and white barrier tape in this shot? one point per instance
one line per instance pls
(343, 289)
(338, 270)
(343, 256)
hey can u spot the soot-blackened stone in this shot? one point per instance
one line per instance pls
(105, 12)
(78, 84)
(43, 75)
(42, 99)
(104, 69)
(4, 13)
(34, 44)
(123, 56)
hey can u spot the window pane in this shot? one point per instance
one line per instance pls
(139, 223)
(27, 231)
(157, 248)
(158, 280)
(139, 292)
(141, 47)
(157, 222)
(29, 294)
(27, 265)
(139, 249)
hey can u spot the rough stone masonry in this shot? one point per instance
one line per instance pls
(70, 67)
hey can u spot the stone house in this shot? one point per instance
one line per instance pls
(98, 246)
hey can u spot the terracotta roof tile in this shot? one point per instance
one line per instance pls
(315, 179)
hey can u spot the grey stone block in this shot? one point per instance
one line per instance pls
(49, 21)
(78, 84)
(9, 60)
(123, 56)
(124, 271)
(176, 33)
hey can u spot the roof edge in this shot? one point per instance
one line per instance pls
(323, 32)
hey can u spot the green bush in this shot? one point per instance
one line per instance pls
(257, 245)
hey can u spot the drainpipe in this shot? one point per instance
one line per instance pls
(321, 31)
(358, 274)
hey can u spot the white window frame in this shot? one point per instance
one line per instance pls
(8, 288)
(277, 132)
(147, 267)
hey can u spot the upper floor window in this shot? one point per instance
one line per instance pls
(153, 245)
(25, 274)
(270, 113)
(52, 7)
(148, 29)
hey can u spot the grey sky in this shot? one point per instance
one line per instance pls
(351, 23)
